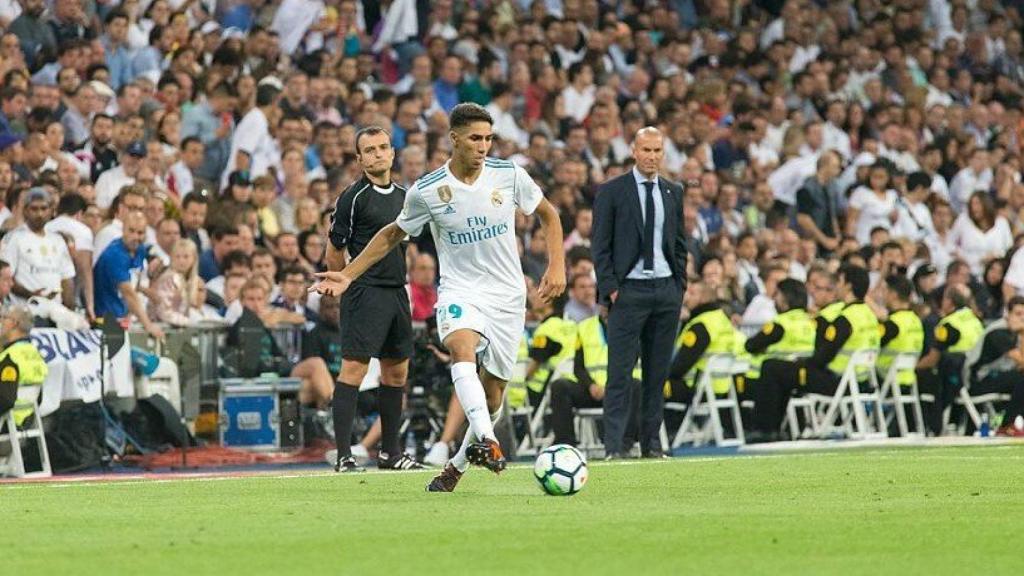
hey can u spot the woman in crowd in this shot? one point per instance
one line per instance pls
(175, 290)
(980, 234)
(872, 206)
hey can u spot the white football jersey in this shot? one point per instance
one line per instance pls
(474, 228)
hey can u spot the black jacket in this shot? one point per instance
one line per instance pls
(617, 239)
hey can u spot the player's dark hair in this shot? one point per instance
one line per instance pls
(901, 286)
(858, 279)
(794, 292)
(371, 130)
(466, 113)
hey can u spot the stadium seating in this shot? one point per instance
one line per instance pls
(854, 412)
(897, 399)
(703, 421)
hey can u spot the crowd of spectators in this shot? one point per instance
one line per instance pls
(159, 159)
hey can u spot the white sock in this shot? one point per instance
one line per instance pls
(473, 399)
(459, 460)
(497, 416)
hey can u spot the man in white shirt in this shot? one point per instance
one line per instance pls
(253, 148)
(180, 179)
(40, 260)
(976, 176)
(110, 182)
(68, 223)
(915, 220)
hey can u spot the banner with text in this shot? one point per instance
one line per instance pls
(76, 369)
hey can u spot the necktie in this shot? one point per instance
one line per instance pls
(649, 227)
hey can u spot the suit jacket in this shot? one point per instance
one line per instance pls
(618, 234)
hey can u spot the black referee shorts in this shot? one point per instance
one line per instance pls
(376, 322)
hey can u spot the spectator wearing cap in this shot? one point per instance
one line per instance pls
(110, 183)
(253, 148)
(40, 260)
(118, 272)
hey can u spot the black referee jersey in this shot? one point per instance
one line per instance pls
(360, 212)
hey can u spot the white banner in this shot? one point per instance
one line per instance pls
(74, 361)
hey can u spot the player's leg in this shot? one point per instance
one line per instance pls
(453, 421)
(463, 344)
(485, 451)
(390, 400)
(394, 368)
(316, 381)
(343, 408)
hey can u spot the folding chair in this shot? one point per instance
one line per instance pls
(706, 405)
(28, 397)
(848, 409)
(588, 440)
(987, 402)
(894, 396)
(527, 445)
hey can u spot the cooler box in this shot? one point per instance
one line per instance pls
(260, 413)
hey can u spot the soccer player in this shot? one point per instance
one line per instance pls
(470, 204)
(376, 320)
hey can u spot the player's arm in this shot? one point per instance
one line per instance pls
(553, 282)
(335, 283)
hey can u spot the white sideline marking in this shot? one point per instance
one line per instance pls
(141, 480)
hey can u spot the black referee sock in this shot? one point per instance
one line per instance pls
(389, 402)
(344, 409)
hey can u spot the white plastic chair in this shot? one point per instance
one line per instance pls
(702, 423)
(971, 404)
(847, 410)
(896, 398)
(28, 397)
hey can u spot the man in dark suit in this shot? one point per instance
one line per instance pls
(639, 249)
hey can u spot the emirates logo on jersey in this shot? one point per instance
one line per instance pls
(445, 193)
(497, 199)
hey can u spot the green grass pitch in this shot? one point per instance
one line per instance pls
(899, 511)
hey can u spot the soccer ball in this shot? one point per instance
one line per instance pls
(561, 470)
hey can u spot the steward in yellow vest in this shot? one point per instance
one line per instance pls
(515, 392)
(20, 362)
(854, 328)
(789, 336)
(957, 332)
(586, 389)
(709, 331)
(553, 343)
(903, 332)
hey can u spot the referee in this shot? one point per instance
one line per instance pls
(376, 321)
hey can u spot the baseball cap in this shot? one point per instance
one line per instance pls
(136, 148)
(7, 140)
(239, 178)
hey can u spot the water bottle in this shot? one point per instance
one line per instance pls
(984, 430)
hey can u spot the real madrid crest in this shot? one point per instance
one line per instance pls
(497, 199)
(445, 193)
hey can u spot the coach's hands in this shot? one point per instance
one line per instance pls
(552, 284)
(332, 283)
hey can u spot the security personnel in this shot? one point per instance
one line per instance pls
(553, 342)
(20, 362)
(902, 332)
(956, 333)
(856, 328)
(790, 334)
(709, 331)
(515, 393)
(996, 365)
(586, 389)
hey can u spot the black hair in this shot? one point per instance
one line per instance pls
(71, 204)
(468, 112)
(857, 278)
(901, 286)
(235, 257)
(794, 292)
(371, 130)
